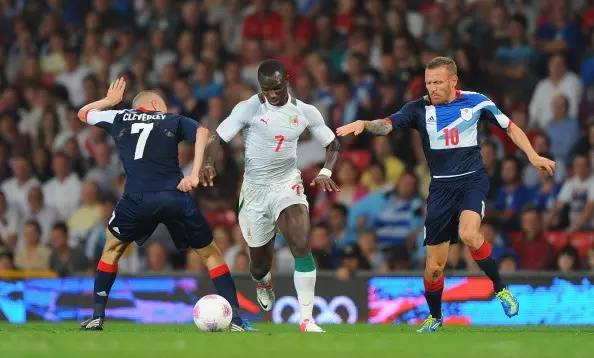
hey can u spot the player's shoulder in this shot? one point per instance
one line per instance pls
(310, 111)
(416, 104)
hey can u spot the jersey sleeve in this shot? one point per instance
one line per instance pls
(103, 119)
(238, 119)
(405, 117)
(187, 129)
(316, 125)
(490, 111)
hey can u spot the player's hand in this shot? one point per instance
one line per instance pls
(544, 164)
(187, 184)
(207, 175)
(325, 182)
(356, 128)
(115, 93)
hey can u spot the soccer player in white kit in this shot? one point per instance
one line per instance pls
(272, 194)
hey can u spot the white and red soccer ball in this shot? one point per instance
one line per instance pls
(212, 313)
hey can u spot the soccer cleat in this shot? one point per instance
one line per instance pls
(430, 325)
(510, 305)
(310, 326)
(265, 295)
(92, 324)
(241, 325)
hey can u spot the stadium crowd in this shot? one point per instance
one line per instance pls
(60, 178)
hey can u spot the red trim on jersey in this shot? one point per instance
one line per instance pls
(218, 271)
(458, 93)
(434, 286)
(144, 109)
(482, 253)
(105, 267)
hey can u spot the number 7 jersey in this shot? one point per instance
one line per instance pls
(147, 143)
(449, 131)
(271, 135)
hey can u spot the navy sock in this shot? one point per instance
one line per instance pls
(485, 261)
(223, 282)
(104, 279)
(433, 292)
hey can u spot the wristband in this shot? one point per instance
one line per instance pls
(326, 172)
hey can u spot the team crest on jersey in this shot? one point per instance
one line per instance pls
(466, 114)
(294, 120)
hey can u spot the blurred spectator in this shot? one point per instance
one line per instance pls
(88, 214)
(560, 81)
(72, 78)
(347, 177)
(576, 195)
(493, 167)
(542, 146)
(591, 259)
(17, 187)
(456, 258)
(337, 225)
(9, 224)
(563, 130)
(546, 191)
(395, 215)
(491, 234)
(45, 215)
(106, 168)
(567, 259)
(534, 251)
(383, 155)
(559, 32)
(508, 264)
(63, 190)
(32, 255)
(64, 259)
(367, 243)
(205, 87)
(6, 259)
(156, 258)
(322, 248)
(241, 264)
(513, 195)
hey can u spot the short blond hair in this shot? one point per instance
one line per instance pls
(442, 61)
(142, 95)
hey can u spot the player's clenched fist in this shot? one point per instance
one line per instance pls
(356, 128)
(187, 184)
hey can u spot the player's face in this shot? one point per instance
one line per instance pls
(441, 84)
(274, 88)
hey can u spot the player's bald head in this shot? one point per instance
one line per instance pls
(150, 100)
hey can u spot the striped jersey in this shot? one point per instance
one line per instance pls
(449, 131)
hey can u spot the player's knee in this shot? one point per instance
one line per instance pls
(208, 252)
(435, 269)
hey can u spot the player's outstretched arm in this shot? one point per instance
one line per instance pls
(379, 127)
(190, 182)
(114, 95)
(518, 136)
(324, 177)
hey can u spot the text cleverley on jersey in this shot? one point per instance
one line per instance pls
(143, 117)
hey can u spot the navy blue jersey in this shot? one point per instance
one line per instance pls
(147, 142)
(450, 131)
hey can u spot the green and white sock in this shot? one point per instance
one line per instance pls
(304, 278)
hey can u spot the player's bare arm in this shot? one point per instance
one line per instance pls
(114, 96)
(378, 127)
(323, 179)
(518, 136)
(208, 172)
(190, 182)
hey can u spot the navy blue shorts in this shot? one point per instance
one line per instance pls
(448, 197)
(137, 215)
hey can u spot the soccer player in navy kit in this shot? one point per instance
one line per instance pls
(156, 192)
(447, 120)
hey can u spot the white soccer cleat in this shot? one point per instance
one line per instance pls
(310, 326)
(265, 295)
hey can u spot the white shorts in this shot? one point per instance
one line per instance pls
(261, 205)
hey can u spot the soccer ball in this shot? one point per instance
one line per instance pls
(212, 313)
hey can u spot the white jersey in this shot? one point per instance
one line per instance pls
(271, 135)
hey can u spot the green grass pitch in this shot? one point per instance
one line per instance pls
(284, 341)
